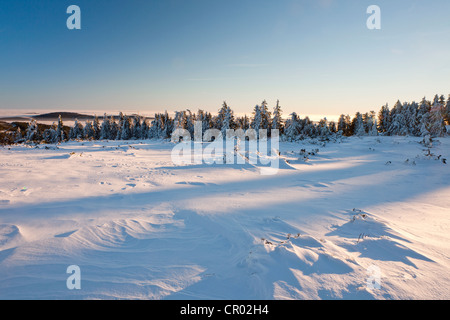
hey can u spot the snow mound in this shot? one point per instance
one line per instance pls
(9, 235)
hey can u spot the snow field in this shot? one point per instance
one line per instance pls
(140, 227)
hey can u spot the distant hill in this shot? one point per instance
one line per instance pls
(64, 115)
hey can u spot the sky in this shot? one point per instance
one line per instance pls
(317, 57)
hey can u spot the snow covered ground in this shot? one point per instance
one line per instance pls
(140, 227)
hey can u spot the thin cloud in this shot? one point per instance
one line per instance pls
(247, 65)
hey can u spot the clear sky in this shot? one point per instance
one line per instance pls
(317, 57)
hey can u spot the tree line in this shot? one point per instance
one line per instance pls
(414, 119)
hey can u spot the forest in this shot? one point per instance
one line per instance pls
(407, 118)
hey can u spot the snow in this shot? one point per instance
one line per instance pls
(140, 227)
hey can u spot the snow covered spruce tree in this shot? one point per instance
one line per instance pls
(88, 131)
(256, 122)
(18, 137)
(277, 120)
(447, 111)
(437, 123)
(261, 118)
(292, 128)
(358, 125)
(32, 133)
(60, 130)
(77, 131)
(225, 119)
(323, 129)
(144, 128)
(168, 125)
(343, 126)
(384, 120)
(423, 118)
(398, 123)
(411, 118)
(105, 130)
(50, 135)
(206, 119)
(125, 131)
(96, 128)
(114, 127)
(265, 116)
(155, 130)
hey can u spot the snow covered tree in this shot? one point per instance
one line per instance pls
(437, 124)
(256, 122)
(323, 131)
(76, 132)
(411, 118)
(32, 133)
(292, 128)
(447, 110)
(227, 120)
(190, 121)
(369, 119)
(398, 125)
(398, 121)
(168, 125)
(105, 130)
(308, 128)
(60, 130)
(265, 116)
(277, 121)
(89, 131)
(245, 122)
(136, 131)
(144, 129)
(18, 136)
(205, 118)
(332, 127)
(423, 118)
(126, 129)
(384, 120)
(180, 120)
(155, 129)
(358, 125)
(49, 135)
(118, 135)
(96, 128)
(114, 127)
(343, 126)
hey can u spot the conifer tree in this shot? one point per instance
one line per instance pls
(358, 125)
(96, 128)
(437, 124)
(292, 127)
(256, 122)
(447, 111)
(88, 131)
(60, 130)
(126, 129)
(76, 132)
(277, 121)
(384, 119)
(32, 133)
(114, 128)
(105, 130)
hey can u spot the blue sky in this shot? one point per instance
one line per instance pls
(317, 57)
